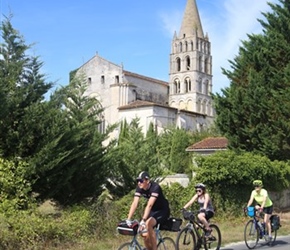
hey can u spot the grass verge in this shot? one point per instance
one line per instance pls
(232, 230)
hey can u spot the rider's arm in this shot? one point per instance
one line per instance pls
(264, 200)
(188, 204)
(206, 200)
(133, 207)
(250, 200)
(148, 207)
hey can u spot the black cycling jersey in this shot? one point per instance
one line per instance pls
(154, 190)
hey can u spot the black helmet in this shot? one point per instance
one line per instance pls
(200, 185)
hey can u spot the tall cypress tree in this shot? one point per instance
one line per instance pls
(254, 111)
(22, 88)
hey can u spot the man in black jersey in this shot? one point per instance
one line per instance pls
(156, 211)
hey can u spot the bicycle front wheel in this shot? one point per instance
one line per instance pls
(185, 239)
(129, 246)
(214, 241)
(251, 234)
(166, 244)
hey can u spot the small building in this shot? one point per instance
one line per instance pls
(209, 145)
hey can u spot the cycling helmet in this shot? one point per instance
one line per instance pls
(200, 185)
(258, 183)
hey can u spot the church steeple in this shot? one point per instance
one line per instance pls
(190, 83)
(191, 23)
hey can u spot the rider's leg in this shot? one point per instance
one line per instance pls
(203, 220)
(267, 223)
(267, 214)
(150, 240)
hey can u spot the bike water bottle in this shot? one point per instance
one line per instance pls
(261, 226)
(264, 227)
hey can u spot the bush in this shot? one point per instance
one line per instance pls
(32, 230)
(229, 177)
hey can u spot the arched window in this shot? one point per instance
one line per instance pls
(187, 84)
(176, 85)
(198, 106)
(180, 47)
(187, 63)
(206, 87)
(206, 66)
(199, 86)
(178, 64)
(200, 63)
(191, 46)
(186, 46)
(204, 107)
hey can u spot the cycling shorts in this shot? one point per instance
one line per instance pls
(208, 214)
(160, 215)
(268, 210)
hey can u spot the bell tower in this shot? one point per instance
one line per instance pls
(190, 81)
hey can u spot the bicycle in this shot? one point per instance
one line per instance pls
(163, 243)
(256, 230)
(192, 236)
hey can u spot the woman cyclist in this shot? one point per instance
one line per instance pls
(206, 210)
(260, 195)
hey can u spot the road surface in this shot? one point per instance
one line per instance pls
(281, 243)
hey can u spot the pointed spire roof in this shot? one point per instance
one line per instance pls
(191, 23)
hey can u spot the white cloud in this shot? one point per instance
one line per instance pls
(236, 21)
(171, 21)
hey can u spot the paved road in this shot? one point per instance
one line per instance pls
(282, 243)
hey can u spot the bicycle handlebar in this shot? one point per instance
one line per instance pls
(189, 215)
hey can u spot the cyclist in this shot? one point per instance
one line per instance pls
(264, 203)
(206, 210)
(156, 211)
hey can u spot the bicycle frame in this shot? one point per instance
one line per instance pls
(194, 234)
(160, 240)
(254, 231)
(257, 218)
(195, 226)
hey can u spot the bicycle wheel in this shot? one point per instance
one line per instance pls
(274, 236)
(214, 241)
(185, 239)
(129, 246)
(251, 235)
(166, 244)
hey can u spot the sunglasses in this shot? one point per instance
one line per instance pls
(139, 180)
(198, 190)
(256, 186)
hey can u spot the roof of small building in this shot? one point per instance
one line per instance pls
(216, 143)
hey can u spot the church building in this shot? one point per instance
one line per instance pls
(183, 102)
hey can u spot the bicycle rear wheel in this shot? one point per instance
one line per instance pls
(185, 239)
(251, 235)
(214, 241)
(166, 244)
(274, 236)
(129, 246)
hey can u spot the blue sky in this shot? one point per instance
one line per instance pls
(135, 33)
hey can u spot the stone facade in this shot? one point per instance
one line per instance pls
(184, 101)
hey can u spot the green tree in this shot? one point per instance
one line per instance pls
(253, 113)
(172, 149)
(132, 154)
(69, 165)
(126, 159)
(22, 89)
